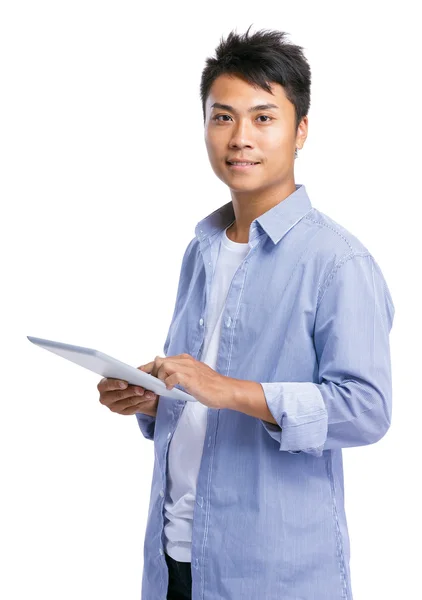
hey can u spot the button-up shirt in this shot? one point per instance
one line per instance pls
(308, 316)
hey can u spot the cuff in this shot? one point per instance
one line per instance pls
(146, 425)
(302, 419)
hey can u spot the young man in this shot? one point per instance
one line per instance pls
(281, 332)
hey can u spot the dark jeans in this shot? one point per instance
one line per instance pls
(180, 579)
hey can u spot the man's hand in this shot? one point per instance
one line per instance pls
(198, 379)
(126, 399)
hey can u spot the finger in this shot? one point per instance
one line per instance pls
(138, 390)
(130, 410)
(109, 398)
(137, 395)
(152, 412)
(159, 363)
(136, 403)
(163, 371)
(148, 367)
(108, 385)
(137, 408)
(148, 394)
(172, 380)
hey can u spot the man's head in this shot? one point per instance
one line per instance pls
(250, 71)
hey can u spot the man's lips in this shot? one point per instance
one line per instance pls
(238, 160)
(241, 167)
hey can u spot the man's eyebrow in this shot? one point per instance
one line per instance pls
(252, 109)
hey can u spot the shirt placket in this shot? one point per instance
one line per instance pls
(203, 491)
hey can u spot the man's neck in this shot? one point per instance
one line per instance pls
(248, 207)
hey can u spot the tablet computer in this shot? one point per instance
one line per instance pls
(110, 367)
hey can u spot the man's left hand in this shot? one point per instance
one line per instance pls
(198, 379)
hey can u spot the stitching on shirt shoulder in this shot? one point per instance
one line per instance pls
(323, 288)
(332, 229)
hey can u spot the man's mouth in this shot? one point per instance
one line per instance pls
(241, 165)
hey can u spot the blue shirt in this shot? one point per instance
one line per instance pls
(308, 316)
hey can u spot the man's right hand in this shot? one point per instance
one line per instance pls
(128, 400)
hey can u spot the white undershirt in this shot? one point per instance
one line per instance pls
(185, 450)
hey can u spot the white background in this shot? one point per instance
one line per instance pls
(104, 175)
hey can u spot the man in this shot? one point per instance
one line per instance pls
(281, 332)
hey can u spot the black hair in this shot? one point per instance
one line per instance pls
(262, 58)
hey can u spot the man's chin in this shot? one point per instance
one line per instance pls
(241, 183)
(239, 187)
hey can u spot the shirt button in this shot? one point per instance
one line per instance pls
(161, 552)
(228, 321)
(161, 493)
(201, 322)
(168, 435)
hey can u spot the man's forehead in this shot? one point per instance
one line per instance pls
(240, 94)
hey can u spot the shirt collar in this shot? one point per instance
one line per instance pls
(276, 222)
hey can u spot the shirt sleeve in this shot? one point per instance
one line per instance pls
(146, 425)
(351, 403)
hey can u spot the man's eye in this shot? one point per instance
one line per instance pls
(217, 118)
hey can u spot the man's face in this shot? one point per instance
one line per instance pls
(266, 136)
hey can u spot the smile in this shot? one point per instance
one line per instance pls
(240, 166)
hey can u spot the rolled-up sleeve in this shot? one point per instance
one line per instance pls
(351, 403)
(300, 410)
(146, 425)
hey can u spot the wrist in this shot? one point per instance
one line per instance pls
(248, 397)
(240, 394)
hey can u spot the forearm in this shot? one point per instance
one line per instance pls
(248, 397)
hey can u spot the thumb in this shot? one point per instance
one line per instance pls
(147, 368)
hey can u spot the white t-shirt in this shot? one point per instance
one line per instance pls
(185, 449)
